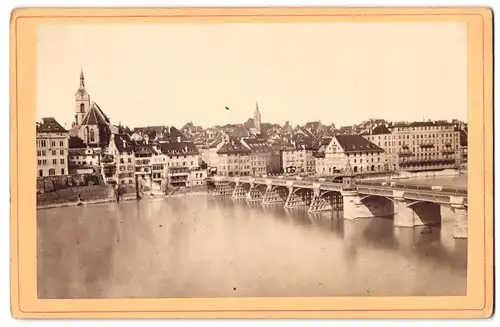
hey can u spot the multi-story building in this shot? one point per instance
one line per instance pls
(51, 148)
(182, 159)
(299, 158)
(234, 158)
(143, 163)
(121, 152)
(84, 159)
(261, 156)
(362, 155)
(418, 145)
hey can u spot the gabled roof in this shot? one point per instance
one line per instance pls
(144, 149)
(356, 143)
(234, 146)
(49, 125)
(95, 116)
(381, 129)
(179, 148)
(123, 143)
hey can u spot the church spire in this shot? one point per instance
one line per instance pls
(82, 79)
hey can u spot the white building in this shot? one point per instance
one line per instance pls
(363, 156)
(51, 148)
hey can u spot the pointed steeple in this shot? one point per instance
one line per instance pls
(82, 79)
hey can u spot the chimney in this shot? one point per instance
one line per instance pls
(178, 138)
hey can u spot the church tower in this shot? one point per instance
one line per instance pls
(82, 101)
(256, 116)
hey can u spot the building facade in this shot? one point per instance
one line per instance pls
(233, 158)
(300, 157)
(363, 156)
(51, 148)
(419, 145)
(121, 151)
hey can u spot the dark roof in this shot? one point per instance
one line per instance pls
(179, 148)
(49, 125)
(257, 144)
(75, 142)
(356, 143)
(95, 116)
(79, 151)
(234, 146)
(172, 134)
(144, 149)
(380, 129)
(123, 143)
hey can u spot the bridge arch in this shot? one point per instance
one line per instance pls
(377, 196)
(328, 191)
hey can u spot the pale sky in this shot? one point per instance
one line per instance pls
(334, 72)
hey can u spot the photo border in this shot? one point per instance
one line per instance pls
(479, 299)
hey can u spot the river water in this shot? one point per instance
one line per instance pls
(199, 246)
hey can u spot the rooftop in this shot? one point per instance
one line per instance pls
(356, 143)
(49, 125)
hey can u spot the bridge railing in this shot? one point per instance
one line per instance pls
(413, 187)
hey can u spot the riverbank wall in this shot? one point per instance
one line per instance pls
(104, 194)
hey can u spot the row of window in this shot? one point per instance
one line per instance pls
(43, 153)
(423, 128)
(43, 143)
(42, 162)
(235, 167)
(52, 172)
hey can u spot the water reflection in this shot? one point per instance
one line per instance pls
(196, 246)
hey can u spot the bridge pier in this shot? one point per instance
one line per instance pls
(353, 206)
(274, 194)
(239, 191)
(461, 228)
(297, 197)
(326, 200)
(404, 216)
(222, 188)
(254, 193)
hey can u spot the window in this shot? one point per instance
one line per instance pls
(61, 143)
(92, 136)
(39, 162)
(61, 152)
(122, 161)
(62, 171)
(129, 160)
(40, 173)
(53, 143)
(52, 172)
(54, 152)
(54, 161)
(62, 161)
(39, 153)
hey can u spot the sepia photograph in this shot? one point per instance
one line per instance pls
(251, 160)
(251, 163)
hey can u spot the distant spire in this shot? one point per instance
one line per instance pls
(82, 78)
(256, 106)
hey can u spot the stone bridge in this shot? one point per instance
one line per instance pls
(410, 205)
